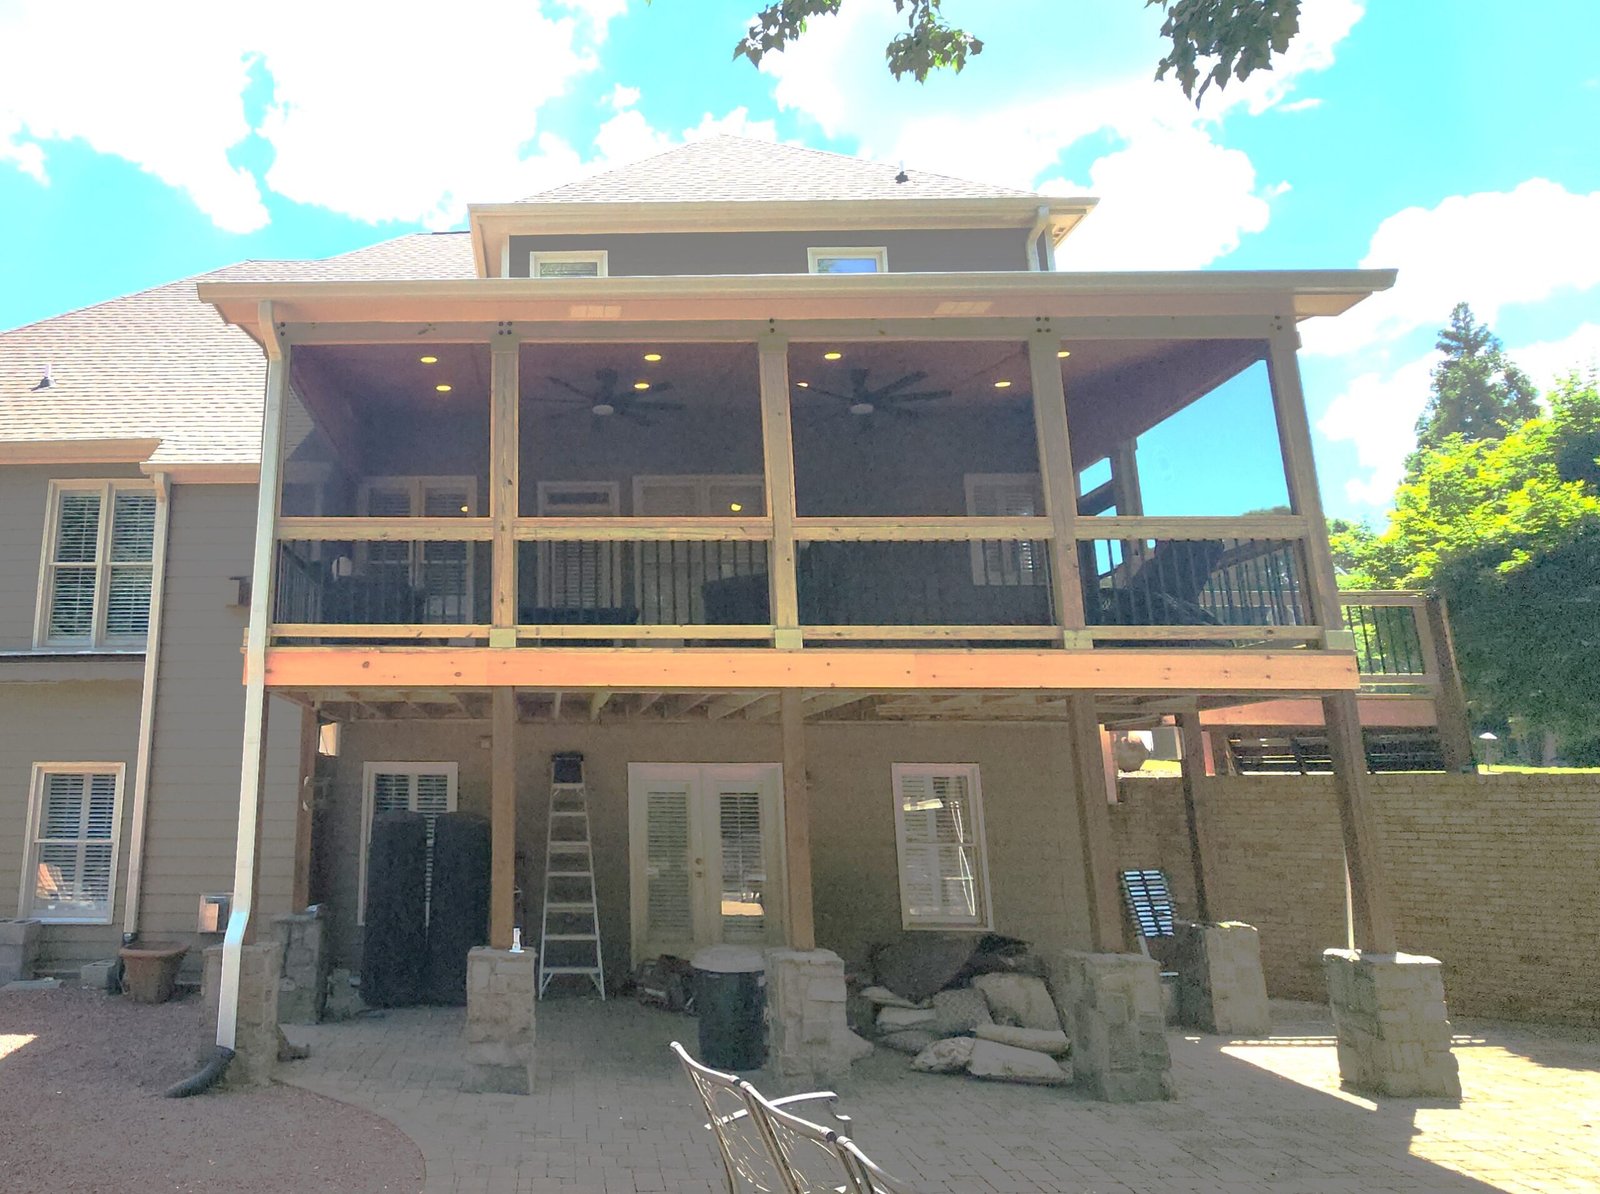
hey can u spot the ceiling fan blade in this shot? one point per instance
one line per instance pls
(852, 399)
(858, 379)
(660, 387)
(607, 378)
(901, 413)
(910, 379)
(641, 404)
(567, 385)
(632, 414)
(924, 396)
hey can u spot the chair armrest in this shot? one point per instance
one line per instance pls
(831, 1096)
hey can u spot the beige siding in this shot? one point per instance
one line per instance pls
(1034, 859)
(64, 723)
(24, 496)
(661, 254)
(194, 791)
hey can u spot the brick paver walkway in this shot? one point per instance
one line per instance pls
(613, 1114)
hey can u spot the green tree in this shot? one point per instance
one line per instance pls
(1478, 393)
(1211, 41)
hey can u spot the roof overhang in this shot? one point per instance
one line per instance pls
(462, 309)
(78, 451)
(493, 224)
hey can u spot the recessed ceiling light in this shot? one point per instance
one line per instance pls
(735, 507)
(804, 385)
(466, 509)
(1002, 385)
(652, 357)
(641, 385)
(1064, 353)
(832, 356)
(429, 360)
(443, 387)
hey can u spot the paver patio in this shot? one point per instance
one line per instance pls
(613, 1114)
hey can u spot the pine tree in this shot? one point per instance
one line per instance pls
(1478, 393)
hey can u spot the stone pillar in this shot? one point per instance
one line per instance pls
(19, 949)
(1221, 987)
(1393, 1029)
(501, 986)
(256, 1035)
(1110, 1005)
(807, 1035)
(303, 988)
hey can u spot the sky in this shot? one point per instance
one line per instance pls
(1453, 140)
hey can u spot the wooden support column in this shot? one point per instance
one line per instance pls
(777, 450)
(1191, 740)
(1369, 888)
(305, 807)
(1449, 700)
(1088, 784)
(801, 927)
(504, 464)
(1300, 471)
(502, 816)
(1059, 482)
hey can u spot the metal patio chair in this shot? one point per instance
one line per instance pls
(767, 1149)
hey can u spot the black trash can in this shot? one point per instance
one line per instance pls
(730, 996)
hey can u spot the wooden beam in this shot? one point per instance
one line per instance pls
(822, 702)
(1301, 634)
(1192, 526)
(555, 706)
(1087, 782)
(597, 704)
(919, 530)
(433, 529)
(505, 451)
(1059, 481)
(699, 670)
(801, 928)
(930, 633)
(1369, 887)
(502, 817)
(304, 809)
(411, 630)
(646, 701)
(593, 631)
(685, 703)
(556, 529)
(726, 706)
(777, 452)
(1191, 739)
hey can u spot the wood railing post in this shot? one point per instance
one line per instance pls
(1369, 887)
(1059, 482)
(502, 816)
(796, 822)
(777, 450)
(1191, 738)
(1088, 785)
(504, 466)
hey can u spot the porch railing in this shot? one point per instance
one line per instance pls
(1395, 650)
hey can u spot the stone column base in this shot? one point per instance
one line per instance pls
(1221, 987)
(807, 1034)
(501, 986)
(1110, 1006)
(256, 1033)
(303, 989)
(1393, 1029)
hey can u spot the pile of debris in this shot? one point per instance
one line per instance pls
(960, 1006)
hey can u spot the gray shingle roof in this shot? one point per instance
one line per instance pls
(747, 170)
(161, 364)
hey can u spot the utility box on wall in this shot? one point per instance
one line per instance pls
(215, 908)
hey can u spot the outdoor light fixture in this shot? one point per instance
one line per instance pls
(641, 385)
(804, 385)
(429, 360)
(444, 387)
(1064, 354)
(832, 356)
(1002, 385)
(652, 357)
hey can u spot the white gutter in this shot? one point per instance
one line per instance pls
(252, 764)
(1034, 233)
(147, 708)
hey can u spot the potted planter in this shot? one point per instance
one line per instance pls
(150, 971)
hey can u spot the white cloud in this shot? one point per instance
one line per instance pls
(1493, 249)
(623, 97)
(1304, 105)
(1377, 413)
(1548, 361)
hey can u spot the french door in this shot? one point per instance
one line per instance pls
(706, 856)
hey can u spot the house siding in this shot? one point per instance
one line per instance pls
(1036, 875)
(647, 254)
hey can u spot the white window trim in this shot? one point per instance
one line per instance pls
(601, 258)
(417, 487)
(25, 890)
(878, 253)
(984, 921)
(609, 556)
(980, 571)
(368, 792)
(705, 481)
(98, 640)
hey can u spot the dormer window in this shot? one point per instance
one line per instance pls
(850, 260)
(590, 263)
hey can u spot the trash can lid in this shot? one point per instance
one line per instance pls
(729, 959)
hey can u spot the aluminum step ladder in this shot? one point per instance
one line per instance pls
(570, 925)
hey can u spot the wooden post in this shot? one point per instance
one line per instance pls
(802, 932)
(1369, 888)
(502, 816)
(1088, 784)
(1192, 741)
(1449, 701)
(504, 464)
(1059, 482)
(777, 449)
(305, 802)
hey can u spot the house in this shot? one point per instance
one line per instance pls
(798, 494)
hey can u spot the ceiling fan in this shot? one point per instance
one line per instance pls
(895, 398)
(610, 399)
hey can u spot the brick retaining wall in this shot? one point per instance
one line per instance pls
(1497, 876)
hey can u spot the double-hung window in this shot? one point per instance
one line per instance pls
(848, 261)
(426, 788)
(938, 824)
(99, 550)
(73, 826)
(1005, 561)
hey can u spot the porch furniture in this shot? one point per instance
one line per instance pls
(766, 1149)
(1163, 591)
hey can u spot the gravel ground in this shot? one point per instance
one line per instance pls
(81, 1110)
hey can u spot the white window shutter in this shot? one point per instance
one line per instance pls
(74, 571)
(744, 873)
(942, 854)
(74, 847)
(668, 897)
(426, 788)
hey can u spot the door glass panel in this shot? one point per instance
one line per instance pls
(669, 909)
(744, 872)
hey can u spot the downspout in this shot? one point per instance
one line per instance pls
(147, 711)
(1040, 223)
